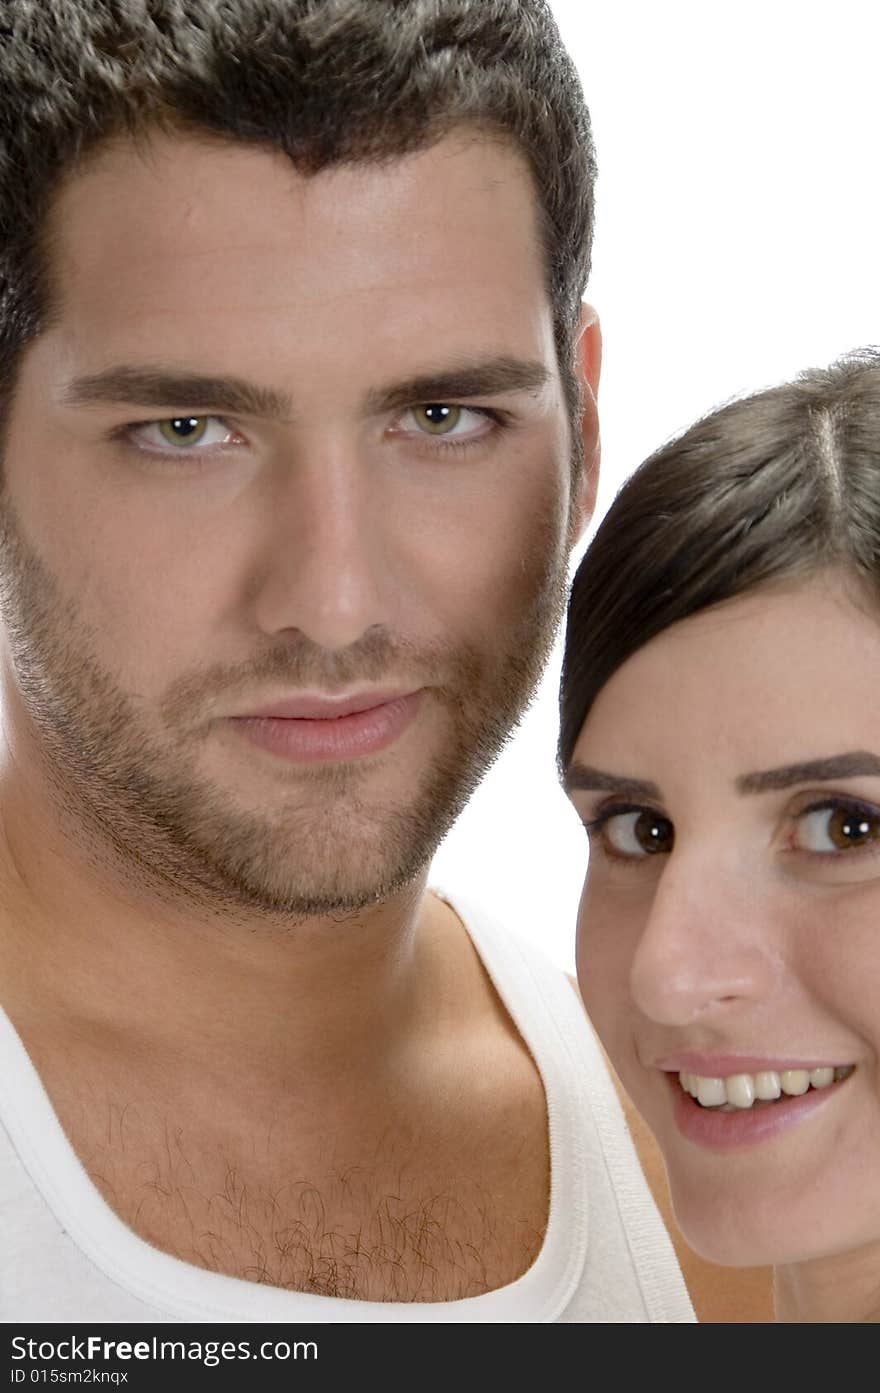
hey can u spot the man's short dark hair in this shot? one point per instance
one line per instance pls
(325, 81)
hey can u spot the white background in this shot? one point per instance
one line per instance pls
(737, 242)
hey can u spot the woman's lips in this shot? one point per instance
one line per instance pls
(331, 737)
(741, 1127)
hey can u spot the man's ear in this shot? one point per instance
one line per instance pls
(587, 365)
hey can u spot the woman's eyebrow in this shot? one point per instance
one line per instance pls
(844, 766)
(584, 776)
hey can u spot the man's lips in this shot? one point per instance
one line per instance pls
(324, 706)
(309, 729)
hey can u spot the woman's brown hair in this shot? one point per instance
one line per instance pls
(769, 487)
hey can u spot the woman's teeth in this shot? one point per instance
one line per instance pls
(742, 1090)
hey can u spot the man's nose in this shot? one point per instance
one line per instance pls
(325, 558)
(708, 946)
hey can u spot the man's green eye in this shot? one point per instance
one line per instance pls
(436, 418)
(183, 430)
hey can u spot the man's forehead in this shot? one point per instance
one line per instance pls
(198, 245)
(163, 177)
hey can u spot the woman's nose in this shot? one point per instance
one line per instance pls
(708, 944)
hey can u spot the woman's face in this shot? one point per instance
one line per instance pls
(729, 777)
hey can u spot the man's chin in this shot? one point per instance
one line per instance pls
(307, 891)
(331, 855)
(336, 843)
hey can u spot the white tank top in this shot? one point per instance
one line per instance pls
(606, 1256)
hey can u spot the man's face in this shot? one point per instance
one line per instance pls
(292, 445)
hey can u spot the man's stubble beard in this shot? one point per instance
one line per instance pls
(140, 804)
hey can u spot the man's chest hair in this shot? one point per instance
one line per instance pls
(399, 1218)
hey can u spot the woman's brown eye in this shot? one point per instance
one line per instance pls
(653, 833)
(638, 833)
(837, 827)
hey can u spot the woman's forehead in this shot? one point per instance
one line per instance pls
(783, 665)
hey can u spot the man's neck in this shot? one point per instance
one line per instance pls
(319, 1097)
(297, 1098)
(82, 942)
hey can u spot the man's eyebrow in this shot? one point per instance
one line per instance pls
(583, 776)
(845, 766)
(158, 388)
(485, 378)
(155, 388)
